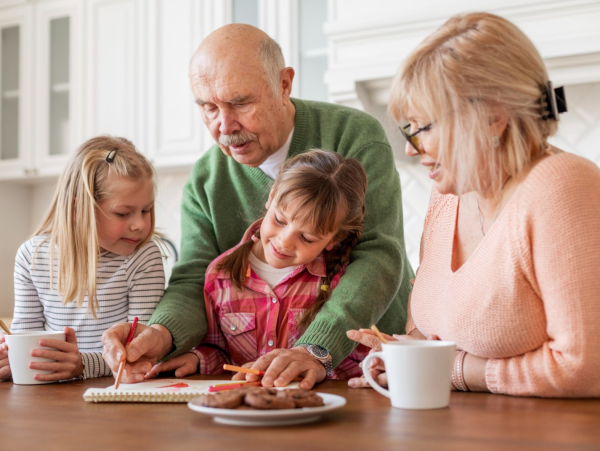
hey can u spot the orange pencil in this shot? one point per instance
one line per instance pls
(239, 369)
(122, 364)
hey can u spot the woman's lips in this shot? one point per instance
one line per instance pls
(433, 173)
(279, 255)
(434, 169)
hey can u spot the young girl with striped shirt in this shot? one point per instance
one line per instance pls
(263, 293)
(92, 262)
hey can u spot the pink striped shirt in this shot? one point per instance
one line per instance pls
(245, 325)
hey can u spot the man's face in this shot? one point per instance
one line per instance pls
(241, 111)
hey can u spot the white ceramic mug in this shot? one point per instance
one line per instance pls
(20, 345)
(418, 372)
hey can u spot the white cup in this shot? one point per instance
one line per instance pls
(419, 373)
(20, 345)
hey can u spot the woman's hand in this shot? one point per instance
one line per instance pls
(4, 366)
(368, 338)
(183, 365)
(66, 353)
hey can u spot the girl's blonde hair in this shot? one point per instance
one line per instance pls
(459, 77)
(71, 220)
(328, 193)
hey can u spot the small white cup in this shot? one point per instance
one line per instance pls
(419, 373)
(20, 345)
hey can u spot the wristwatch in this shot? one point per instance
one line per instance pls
(322, 355)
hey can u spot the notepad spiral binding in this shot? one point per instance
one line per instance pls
(140, 397)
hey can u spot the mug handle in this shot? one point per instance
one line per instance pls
(372, 383)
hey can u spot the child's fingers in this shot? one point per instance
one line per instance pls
(56, 376)
(60, 345)
(170, 365)
(189, 367)
(359, 382)
(63, 357)
(4, 367)
(70, 336)
(59, 370)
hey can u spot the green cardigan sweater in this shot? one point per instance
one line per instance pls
(222, 198)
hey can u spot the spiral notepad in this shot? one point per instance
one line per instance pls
(158, 390)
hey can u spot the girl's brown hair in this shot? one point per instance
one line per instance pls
(328, 192)
(71, 220)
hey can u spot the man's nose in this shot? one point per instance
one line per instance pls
(228, 123)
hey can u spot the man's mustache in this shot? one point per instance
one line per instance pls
(236, 139)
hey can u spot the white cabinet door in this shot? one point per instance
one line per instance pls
(16, 124)
(57, 100)
(113, 77)
(175, 130)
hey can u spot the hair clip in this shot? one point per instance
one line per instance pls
(111, 155)
(324, 287)
(553, 102)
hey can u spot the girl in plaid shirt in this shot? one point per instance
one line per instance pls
(265, 292)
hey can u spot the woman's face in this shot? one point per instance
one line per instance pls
(429, 151)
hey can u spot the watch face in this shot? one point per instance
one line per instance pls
(318, 351)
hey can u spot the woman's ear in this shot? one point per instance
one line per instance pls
(498, 121)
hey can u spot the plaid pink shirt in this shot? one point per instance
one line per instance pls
(244, 325)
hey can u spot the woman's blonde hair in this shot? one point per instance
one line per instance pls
(460, 77)
(328, 192)
(71, 220)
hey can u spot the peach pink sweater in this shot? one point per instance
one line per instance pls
(528, 298)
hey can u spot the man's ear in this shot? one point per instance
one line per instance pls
(271, 194)
(286, 77)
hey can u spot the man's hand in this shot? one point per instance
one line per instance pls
(281, 366)
(66, 353)
(149, 344)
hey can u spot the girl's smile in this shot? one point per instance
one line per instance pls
(286, 242)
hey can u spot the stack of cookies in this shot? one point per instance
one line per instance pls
(262, 398)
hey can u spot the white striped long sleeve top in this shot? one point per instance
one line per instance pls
(127, 286)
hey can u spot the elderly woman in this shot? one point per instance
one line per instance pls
(510, 251)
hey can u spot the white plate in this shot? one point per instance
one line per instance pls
(283, 417)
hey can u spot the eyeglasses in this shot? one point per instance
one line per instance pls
(412, 137)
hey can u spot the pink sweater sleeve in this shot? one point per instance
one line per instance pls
(559, 240)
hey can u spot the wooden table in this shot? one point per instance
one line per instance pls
(55, 417)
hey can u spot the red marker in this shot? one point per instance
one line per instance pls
(122, 364)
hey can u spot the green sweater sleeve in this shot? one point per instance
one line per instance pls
(376, 281)
(181, 310)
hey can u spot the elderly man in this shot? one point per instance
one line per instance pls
(242, 87)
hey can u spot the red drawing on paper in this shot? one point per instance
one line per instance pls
(175, 387)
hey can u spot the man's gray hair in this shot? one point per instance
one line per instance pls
(273, 63)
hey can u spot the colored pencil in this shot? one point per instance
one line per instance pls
(122, 364)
